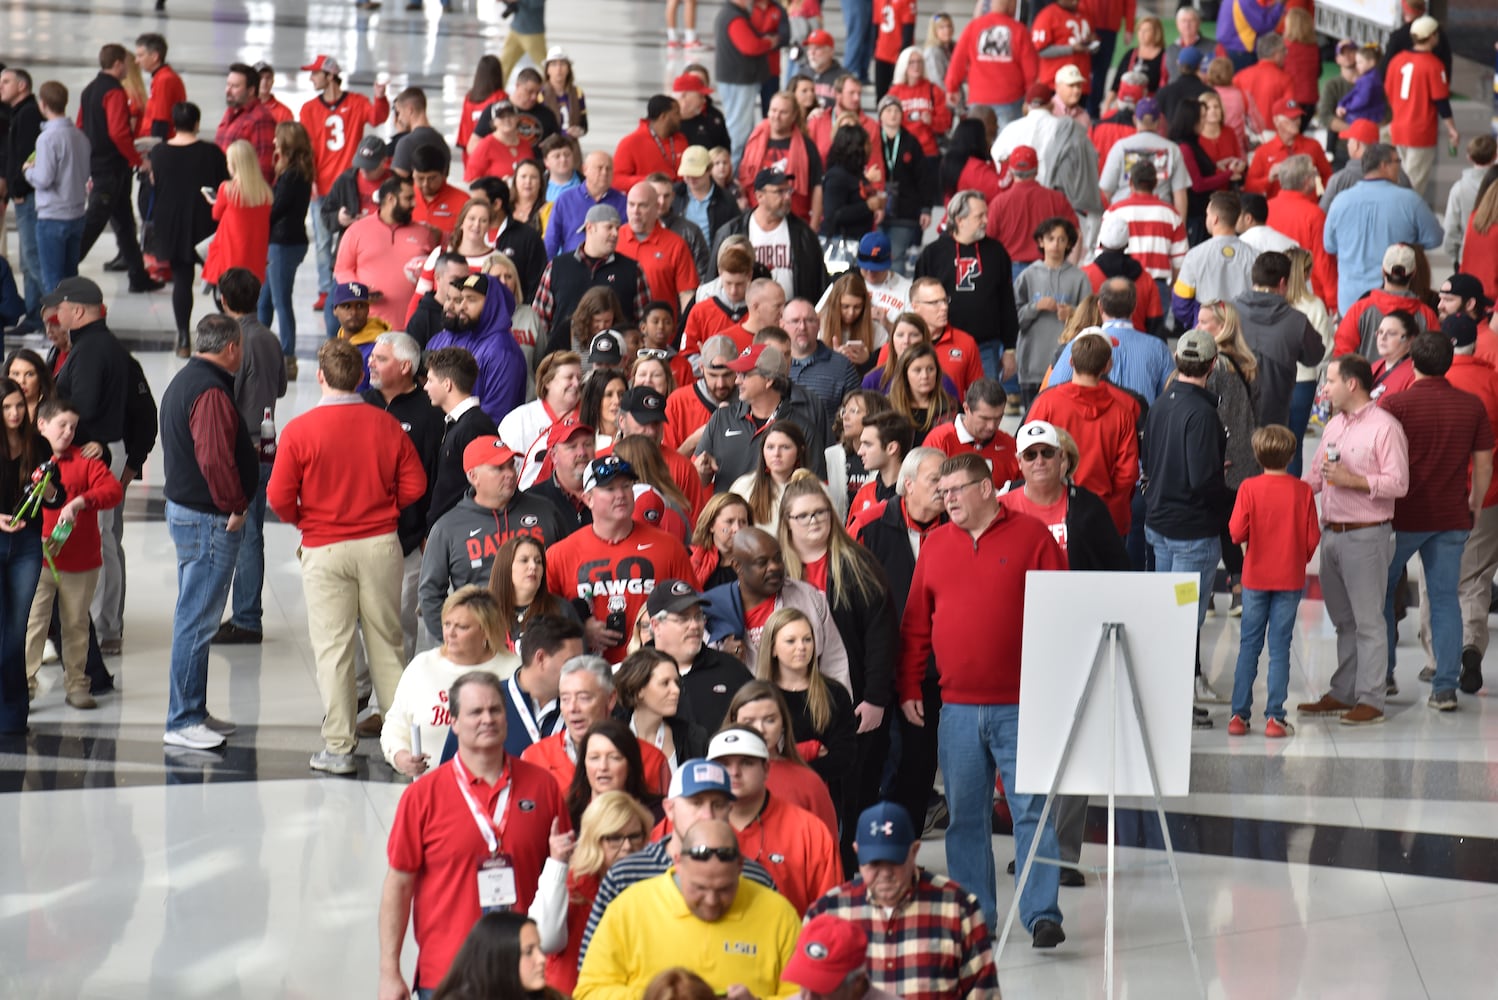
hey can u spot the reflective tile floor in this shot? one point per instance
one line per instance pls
(1338, 864)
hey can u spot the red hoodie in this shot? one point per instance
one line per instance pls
(1360, 324)
(1103, 420)
(996, 59)
(966, 605)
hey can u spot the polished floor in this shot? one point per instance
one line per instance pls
(1337, 864)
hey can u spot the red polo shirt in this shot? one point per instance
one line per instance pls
(436, 837)
(665, 261)
(441, 212)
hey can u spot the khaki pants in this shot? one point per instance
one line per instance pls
(1354, 579)
(1419, 163)
(73, 592)
(509, 53)
(1474, 590)
(349, 584)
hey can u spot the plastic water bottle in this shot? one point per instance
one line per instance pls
(267, 438)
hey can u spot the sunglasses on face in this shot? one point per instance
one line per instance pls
(1034, 453)
(653, 354)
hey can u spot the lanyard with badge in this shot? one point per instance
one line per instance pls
(522, 703)
(496, 873)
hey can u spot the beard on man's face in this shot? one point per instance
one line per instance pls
(458, 323)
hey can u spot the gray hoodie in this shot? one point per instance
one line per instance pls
(1279, 335)
(463, 543)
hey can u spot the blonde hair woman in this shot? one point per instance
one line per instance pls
(1298, 293)
(613, 826)
(473, 638)
(1233, 379)
(242, 208)
(821, 718)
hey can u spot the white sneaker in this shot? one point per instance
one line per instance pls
(198, 737)
(49, 653)
(1205, 695)
(333, 763)
(221, 726)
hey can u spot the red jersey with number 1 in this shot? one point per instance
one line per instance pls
(892, 17)
(1057, 26)
(1414, 83)
(335, 130)
(614, 577)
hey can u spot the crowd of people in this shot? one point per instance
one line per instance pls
(683, 542)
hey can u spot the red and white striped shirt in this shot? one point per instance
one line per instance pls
(1157, 236)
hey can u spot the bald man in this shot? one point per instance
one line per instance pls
(664, 258)
(563, 232)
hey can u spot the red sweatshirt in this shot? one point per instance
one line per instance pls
(90, 479)
(1102, 419)
(1276, 516)
(337, 493)
(642, 153)
(996, 59)
(966, 605)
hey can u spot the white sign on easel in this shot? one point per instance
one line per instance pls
(1063, 615)
(1107, 667)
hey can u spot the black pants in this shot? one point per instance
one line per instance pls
(884, 75)
(861, 789)
(184, 274)
(109, 204)
(915, 775)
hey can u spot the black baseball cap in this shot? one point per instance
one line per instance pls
(78, 290)
(645, 404)
(673, 597)
(771, 178)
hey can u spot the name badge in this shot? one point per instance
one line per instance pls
(496, 884)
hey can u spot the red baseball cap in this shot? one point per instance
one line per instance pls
(819, 37)
(559, 432)
(486, 450)
(1362, 130)
(828, 950)
(1285, 107)
(322, 64)
(1039, 93)
(1023, 158)
(690, 83)
(1130, 92)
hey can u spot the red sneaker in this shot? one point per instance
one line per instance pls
(1237, 726)
(322, 300)
(1276, 729)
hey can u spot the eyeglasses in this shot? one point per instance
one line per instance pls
(945, 300)
(633, 838)
(1032, 454)
(690, 618)
(810, 516)
(950, 493)
(702, 852)
(653, 354)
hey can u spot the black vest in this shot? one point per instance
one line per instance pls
(571, 278)
(185, 484)
(104, 156)
(731, 65)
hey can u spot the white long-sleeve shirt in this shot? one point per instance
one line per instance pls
(421, 697)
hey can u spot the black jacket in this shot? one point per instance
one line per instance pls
(732, 440)
(572, 516)
(709, 687)
(422, 422)
(20, 143)
(983, 297)
(426, 322)
(845, 212)
(911, 180)
(450, 482)
(288, 210)
(1092, 542)
(96, 377)
(522, 245)
(1182, 454)
(721, 210)
(808, 272)
(707, 129)
(889, 540)
(868, 631)
(343, 194)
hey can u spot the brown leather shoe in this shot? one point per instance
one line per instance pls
(1327, 705)
(370, 726)
(1363, 715)
(81, 699)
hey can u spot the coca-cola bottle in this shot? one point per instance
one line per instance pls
(268, 438)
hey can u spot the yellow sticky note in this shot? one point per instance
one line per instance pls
(1185, 593)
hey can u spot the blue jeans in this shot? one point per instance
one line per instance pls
(249, 568)
(20, 569)
(1188, 555)
(59, 247)
(903, 235)
(1302, 398)
(858, 27)
(1441, 562)
(1273, 610)
(974, 741)
(1006, 113)
(740, 107)
(31, 265)
(991, 355)
(322, 237)
(275, 294)
(206, 553)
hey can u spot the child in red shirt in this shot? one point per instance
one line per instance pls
(1276, 515)
(89, 488)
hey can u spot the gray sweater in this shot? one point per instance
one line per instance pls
(1280, 336)
(1040, 330)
